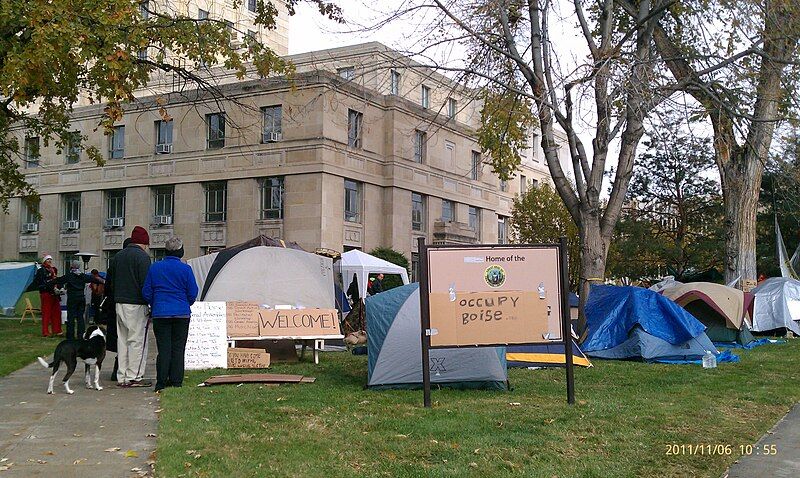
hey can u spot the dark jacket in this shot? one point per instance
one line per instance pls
(170, 288)
(127, 272)
(43, 280)
(75, 283)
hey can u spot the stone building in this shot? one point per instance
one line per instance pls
(361, 149)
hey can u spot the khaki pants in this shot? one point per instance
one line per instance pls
(131, 341)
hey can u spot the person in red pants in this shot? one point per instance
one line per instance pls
(51, 302)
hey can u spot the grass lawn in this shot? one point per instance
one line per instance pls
(22, 343)
(626, 416)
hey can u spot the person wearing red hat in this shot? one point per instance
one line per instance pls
(51, 302)
(127, 273)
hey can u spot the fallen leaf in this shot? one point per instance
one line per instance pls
(191, 452)
(41, 462)
(22, 403)
(159, 410)
(131, 454)
(136, 469)
(76, 434)
(49, 453)
(17, 434)
(5, 467)
(198, 455)
(514, 404)
(205, 419)
(434, 442)
(581, 402)
(477, 450)
(186, 464)
(473, 464)
(78, 461)
(151, 435)
(3, 460)
(279, 399)
(401, 436)
(116, 448)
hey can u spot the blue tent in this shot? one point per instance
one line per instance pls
(395, 351)
(636, 323)
(15, 277)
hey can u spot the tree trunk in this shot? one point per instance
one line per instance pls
(594, 250)
(742, 178)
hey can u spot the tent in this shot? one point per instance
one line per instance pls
(362, 265)
(270, 275)
(395, 352)
(725, 311)
(665, 283)
(544, 355)
(15, 277)
(636, 323)
(777, 305)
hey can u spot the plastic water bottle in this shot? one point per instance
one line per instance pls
(709, 360)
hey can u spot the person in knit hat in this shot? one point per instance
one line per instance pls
(127, 273)
(51, 302)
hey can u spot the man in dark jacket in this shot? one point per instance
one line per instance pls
(127, 273)
(75, 283)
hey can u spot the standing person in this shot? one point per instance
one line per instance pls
(75, 282)
(98, 291)
(51, 302)
(109, 315)
(127, 273)
(377, 286)
(170, 289)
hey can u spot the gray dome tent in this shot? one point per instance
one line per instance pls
(395, 351)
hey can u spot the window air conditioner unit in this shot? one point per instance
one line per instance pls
(162, 220)
(30, 227)
(115, 222)
(272, 137)
(71, 225)
(164, 148)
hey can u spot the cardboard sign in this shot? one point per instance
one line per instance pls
(297, 322)
(241, 319)
(207, 343)
(247, 358)
(506, 295)
(488, 318)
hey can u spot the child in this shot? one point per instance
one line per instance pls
(75, 283)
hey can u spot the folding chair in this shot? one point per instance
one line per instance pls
(30, 309)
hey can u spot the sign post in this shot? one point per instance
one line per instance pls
(493, 295)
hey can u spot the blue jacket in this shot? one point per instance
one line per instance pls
(170, 288)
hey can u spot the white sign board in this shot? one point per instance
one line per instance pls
(207, 345)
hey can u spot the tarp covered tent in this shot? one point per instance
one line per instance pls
(15, 277)
(665, 283)
(636, 323)
(362, 265)
(270, 275)
(395, 352)
(544, 355)
(724, 311)
(777, 305)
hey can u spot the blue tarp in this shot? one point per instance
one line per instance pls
(612, 313)
(726, 356)
(751, 345)
(15, 277)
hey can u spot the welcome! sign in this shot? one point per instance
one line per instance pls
(247, 320)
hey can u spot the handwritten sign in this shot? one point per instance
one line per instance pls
(247, 358)
(242, 319)
(297, 322)
(207, 344)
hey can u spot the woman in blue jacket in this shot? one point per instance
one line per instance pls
(170, 289)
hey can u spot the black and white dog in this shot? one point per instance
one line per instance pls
(91, 349)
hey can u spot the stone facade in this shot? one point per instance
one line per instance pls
(312, 155)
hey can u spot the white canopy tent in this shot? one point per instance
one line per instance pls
(362, 265)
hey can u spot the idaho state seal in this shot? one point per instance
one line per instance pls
(495, 276)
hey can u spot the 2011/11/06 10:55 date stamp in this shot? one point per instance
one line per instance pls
(720, 449)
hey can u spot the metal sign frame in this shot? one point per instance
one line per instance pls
(426, 332)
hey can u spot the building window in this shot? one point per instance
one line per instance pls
(144, 9)
(420, 146)
(251, 5)
(271, 197)
(163, 205)
(205, 250)
(68, 257)
(348, 73)
(475, 219)
(216, 130)
(352, 201)
(450, 155)
(414, 267)
(534, 149)
(142, 54)
(354, 127)
(502, 231)
(451, 108)
(503, 186)
(71, 211)
(108, 256)
(30, 216)
(535, 183)
(72, 146)
(448, 211)
(202, 14)
(156, 254)
(116, 143)
(115, 208)
(523, 184)
(216, 198)
(163, 136)
(271, 130)
(426, 97)
(475, 171)
(417, 212)
(32, 152)
(394, 83)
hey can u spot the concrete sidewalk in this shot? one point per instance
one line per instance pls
(776, 455)
(68, 435)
